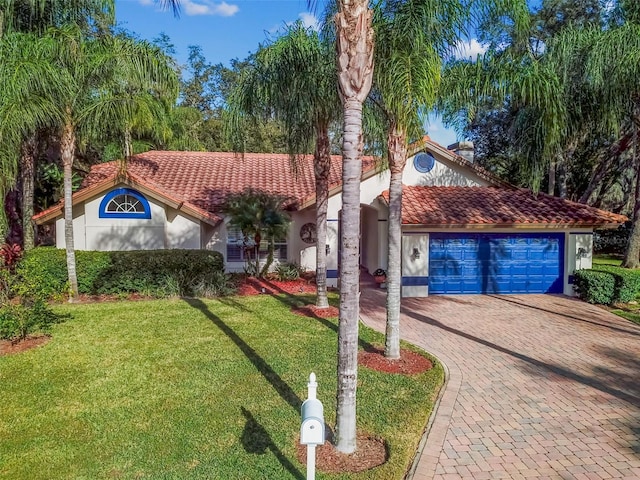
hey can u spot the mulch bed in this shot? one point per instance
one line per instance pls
(371, 453)
(257, 286)
(317, 312)
(409, 363)
(7, 347)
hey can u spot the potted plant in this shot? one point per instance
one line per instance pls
(380, 276)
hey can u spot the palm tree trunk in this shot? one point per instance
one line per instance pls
(632, 255)
(269, 261)
(67, 150)
(355, 74)
(322, 163)
(397, 151)
(551, 188)
(257, 240)
(27, 161)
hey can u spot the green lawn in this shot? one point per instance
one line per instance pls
(189, 389)
(606, 259)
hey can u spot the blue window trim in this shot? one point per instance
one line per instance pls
(102, 212)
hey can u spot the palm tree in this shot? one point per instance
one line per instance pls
(354, 45)
(413, 40)
(402, 90)
(25, 107)
(293, 76)
(259, 216)
(612, 70)
(35, 17)
(82, 75)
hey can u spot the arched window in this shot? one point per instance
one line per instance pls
(124, 203)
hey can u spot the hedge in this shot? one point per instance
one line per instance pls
(43, 272)
(607, 284)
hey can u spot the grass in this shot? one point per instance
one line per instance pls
(607, 259)
(190, 389)
(630, 314)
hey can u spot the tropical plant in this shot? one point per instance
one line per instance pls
(293, 77)
(260, 216)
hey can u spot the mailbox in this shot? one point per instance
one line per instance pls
(312, 429)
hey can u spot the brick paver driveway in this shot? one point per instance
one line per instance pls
(540, 386)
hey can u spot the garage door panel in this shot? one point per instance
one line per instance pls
(496, 263)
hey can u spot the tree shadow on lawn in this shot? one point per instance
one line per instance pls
(296, 301)
(280, 386)
(256, 440)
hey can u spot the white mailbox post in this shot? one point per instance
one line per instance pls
(312, 429)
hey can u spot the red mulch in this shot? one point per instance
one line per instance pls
(409, 363)
(256, 286)
(7, 347)
(371, 452)
(317, 312)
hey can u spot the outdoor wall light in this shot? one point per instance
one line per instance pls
(327, 249)
(416, 253)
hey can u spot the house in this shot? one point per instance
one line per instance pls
(464, 230)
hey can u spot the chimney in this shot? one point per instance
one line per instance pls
(464, 149)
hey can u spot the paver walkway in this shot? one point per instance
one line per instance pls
(540, 386)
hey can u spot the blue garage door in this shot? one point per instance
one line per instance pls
(496, 263)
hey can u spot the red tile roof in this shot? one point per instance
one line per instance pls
(203, 180)
(462, 206)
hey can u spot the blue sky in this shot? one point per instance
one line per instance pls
(230, 29)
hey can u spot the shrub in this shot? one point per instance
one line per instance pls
(594, 286)
(158, 272)
(43, 272)
(627, 284)
(608, 284)
(219, 284)
(288, 271)
(19, 320)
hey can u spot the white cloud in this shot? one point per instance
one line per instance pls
(225, 9)
(309, 20)
(203, 7)
(469, 50)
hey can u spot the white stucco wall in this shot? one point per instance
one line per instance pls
(579, 255)
(415, 266)
(79, 237)
(181, 231)
(304, 254)
(167, 228)
(374, 240)
(444, 173)
(124, 233)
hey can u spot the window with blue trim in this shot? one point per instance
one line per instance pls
(124, 203)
